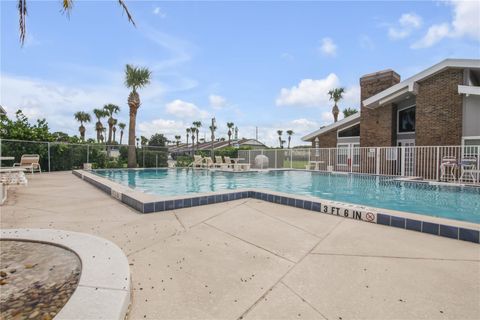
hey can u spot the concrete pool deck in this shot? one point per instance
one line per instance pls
(252, 259)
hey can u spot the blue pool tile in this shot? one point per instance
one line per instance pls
(291, 202)
(218, 198)
(210, 199)
(169, 205)
(414, 225)
(383, 219)
(277, 199)
(316, 206)
(203, 201)
(231, 196)
(307, 205)
(251, 194)
(238, 195)
(224, 197)
(397, 222)
(449, 231)
(178, 204)
(469, 235)
(429, 227)
(270, 197)
(195, 202)
(258, 195)
(159, 206)
(284, 200)
(299, 203)
(148, 207)
(187, 203)
(264, 196)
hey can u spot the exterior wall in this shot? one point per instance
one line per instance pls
(471, 116)
(404, 104)
(377, 126)
(329, 139)
(439, 109)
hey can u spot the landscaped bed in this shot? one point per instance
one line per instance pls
(36, 279)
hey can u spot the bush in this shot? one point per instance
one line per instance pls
(184, 161)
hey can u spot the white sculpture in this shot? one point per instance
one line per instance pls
(261, 161)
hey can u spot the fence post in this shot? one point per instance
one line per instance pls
(275, 159)
(156, 160)
(48, 146)
(291, 158)
(1, 152)
(377, 165)
(88, 153)
(437, 163)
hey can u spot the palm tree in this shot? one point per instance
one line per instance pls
(289, 132)
(177, 139)
(122, 126)
(212, 130)
(82, 117)
(67, 5)
(102, 135)
(99, 114)
(143, 140)
(114, 128)
(279, 132)
(230, 125)
(193, 130)
(336, 95)
(347, 112)
(110, 110)
(197, 125)
(188, 134)
(135, 78)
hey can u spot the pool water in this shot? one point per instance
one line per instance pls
(460, 203)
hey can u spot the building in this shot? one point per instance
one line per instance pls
(2, 111)
(439, 106)
(219, 144)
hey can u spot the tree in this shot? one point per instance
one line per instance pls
(114, 129)
(347, 112)
(21, 129)
(188, 134)
(177, 139)
(82, 117)
(135, 78)
(110, 110)
(122, 126)
(143, 140)
(99, 114)
(290, 133)
(197, 125)
(336, 95)
(67, 6)
(193, 130)
(212, 130)
(280, 132)
(157, 140)
(230, 126)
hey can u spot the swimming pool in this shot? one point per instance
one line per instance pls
(459, 203)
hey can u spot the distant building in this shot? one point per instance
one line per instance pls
(2, 111)
(244, 142)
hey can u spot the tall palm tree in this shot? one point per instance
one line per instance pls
(193, 130)
(177, 139)
(280, 132)
(67, 6)
(114, 128)
(82, 117)
(230, 125)
(99, 114)
(110, 110)
(135, 78)
(188, 134)
(197, 125)
(212, 130)
(289, 132)
(102, 134)
(336, 95)
(122, 126)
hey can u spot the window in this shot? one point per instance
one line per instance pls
(353, 131)
(406, 120)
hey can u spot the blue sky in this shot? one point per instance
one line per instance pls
(265, 64)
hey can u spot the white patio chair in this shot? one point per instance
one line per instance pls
(29, 162)
(469, 171)
(448, 167)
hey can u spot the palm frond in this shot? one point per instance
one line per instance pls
(67, 6)
(125, 9)
(22, 15)
(136, 77)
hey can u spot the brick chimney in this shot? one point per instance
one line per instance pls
(378, 126)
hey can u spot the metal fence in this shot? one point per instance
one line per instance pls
(60, 156)
(440, 163)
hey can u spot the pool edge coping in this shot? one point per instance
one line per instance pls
(146, 203)
(105, 272)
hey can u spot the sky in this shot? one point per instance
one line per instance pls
(258, 64)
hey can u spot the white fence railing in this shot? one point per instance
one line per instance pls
(440, 163)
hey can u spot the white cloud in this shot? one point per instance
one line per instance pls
(168, 128)
(328, 47)
(158, 12)
(183, 109)
(465, 23)
(407, 23)
(217, 102)
(309, 92)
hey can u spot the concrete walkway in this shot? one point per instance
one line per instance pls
(250, 259)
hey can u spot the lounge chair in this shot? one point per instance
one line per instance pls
(29, 162)
(208, 162)
(468, 167)
(9, 177)
(197, 161)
